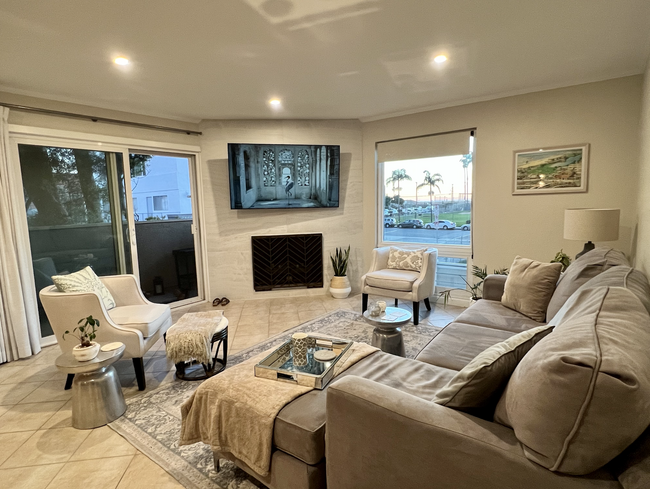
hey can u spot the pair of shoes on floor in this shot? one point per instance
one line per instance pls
(221, 302)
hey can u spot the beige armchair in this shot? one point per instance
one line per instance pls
(400, 284)
(134, 321)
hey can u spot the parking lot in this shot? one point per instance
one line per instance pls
(433, 236)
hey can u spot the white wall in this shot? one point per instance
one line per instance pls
(229, 231)
(643, 230)
(604, 114)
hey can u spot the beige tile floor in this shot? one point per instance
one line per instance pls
(39, 447)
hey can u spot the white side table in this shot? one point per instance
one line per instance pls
(97, 397)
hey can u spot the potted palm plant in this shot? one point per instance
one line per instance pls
(87, 349)
(340, 284)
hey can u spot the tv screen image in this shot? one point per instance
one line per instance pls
(283, 176)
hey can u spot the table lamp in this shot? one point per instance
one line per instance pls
(591, 225)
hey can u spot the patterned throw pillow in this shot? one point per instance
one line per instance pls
(84, 281)
(406, 259)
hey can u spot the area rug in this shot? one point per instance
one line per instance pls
(152, 420)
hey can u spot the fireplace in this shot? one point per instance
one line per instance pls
(288, 260)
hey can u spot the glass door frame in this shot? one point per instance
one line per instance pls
(31, 135)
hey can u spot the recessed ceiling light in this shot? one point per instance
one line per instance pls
(441, 58)
(275, 102)
(121, 60)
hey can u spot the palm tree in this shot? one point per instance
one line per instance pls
(431, 181)
(396, 177)
(466, 160)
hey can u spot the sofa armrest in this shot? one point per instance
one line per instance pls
(493, 287)
(125, 289)
(378, 437)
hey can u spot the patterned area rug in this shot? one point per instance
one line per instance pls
(152, 421)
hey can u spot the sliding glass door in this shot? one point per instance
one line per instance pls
(75, 202)
(161, 188)
(116, 210)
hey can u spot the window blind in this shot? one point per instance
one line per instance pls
(454, 143)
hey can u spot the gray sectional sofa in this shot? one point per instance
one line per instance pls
(384, 431)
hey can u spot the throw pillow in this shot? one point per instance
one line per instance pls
(529, 287)
(406, 259)
(581, 271)
(476, 389)
(84, 281)
(581, 396)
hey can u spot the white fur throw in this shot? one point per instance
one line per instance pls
(189, 339)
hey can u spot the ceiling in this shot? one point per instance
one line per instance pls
(224, 59)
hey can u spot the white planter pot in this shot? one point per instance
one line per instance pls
(340, 287)
(85, 353)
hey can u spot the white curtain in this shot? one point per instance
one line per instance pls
(19, 325)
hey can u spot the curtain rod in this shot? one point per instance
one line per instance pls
(106, 120)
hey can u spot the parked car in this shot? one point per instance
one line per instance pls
(411, 223)
(442, 224)
(466, 227)
(389, 222)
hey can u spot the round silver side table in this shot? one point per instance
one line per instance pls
(387, 335)
(97, 397)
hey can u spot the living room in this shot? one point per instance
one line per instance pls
(573, 85)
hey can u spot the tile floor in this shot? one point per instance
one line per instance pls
(40, 449)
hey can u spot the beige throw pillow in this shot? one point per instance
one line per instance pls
(530, 286)
(400, 259)
(84, 281)
(476, 389)
(581, 395)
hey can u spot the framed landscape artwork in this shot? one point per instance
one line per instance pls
(551, 170)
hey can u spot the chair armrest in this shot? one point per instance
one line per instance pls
(424, 286)
(378, 437)
(125, 290)
(64, 309)
(493, 287)
(379, 262)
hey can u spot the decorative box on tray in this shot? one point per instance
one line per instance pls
(315, 373)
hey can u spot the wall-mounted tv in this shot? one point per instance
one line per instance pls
(283, 176)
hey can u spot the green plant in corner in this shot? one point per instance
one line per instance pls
(474, 288)
(563, 258)
(340, 261)
(85, 333)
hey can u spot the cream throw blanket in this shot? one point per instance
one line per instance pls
(235, 411)
(190, 338)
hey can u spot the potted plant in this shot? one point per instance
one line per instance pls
(474, 289)
(87, 349)
(340, 284)
(563, 258)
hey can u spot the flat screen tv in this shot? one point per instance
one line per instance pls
(283, 176)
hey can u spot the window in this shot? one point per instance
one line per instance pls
(138, 167)
(160, 203)
(135, 204)
(425, 192)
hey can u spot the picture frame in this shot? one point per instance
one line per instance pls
(552, 170)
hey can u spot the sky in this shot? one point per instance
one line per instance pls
(448, 166)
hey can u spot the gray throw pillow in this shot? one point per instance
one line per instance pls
(529, 287)
(476, 389)
(400, 259)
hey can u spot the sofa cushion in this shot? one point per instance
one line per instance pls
(393, 279)
(458, 344)
(145, 318)
(300, 426)
(493, 314)
(582, 394)
(476, 389)
(84, 280)
(623, 276)
(529, 287)
(581, 271)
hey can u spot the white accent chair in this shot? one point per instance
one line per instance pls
(406, 285)
(134, 321)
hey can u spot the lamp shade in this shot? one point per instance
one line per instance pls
(591, 224)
